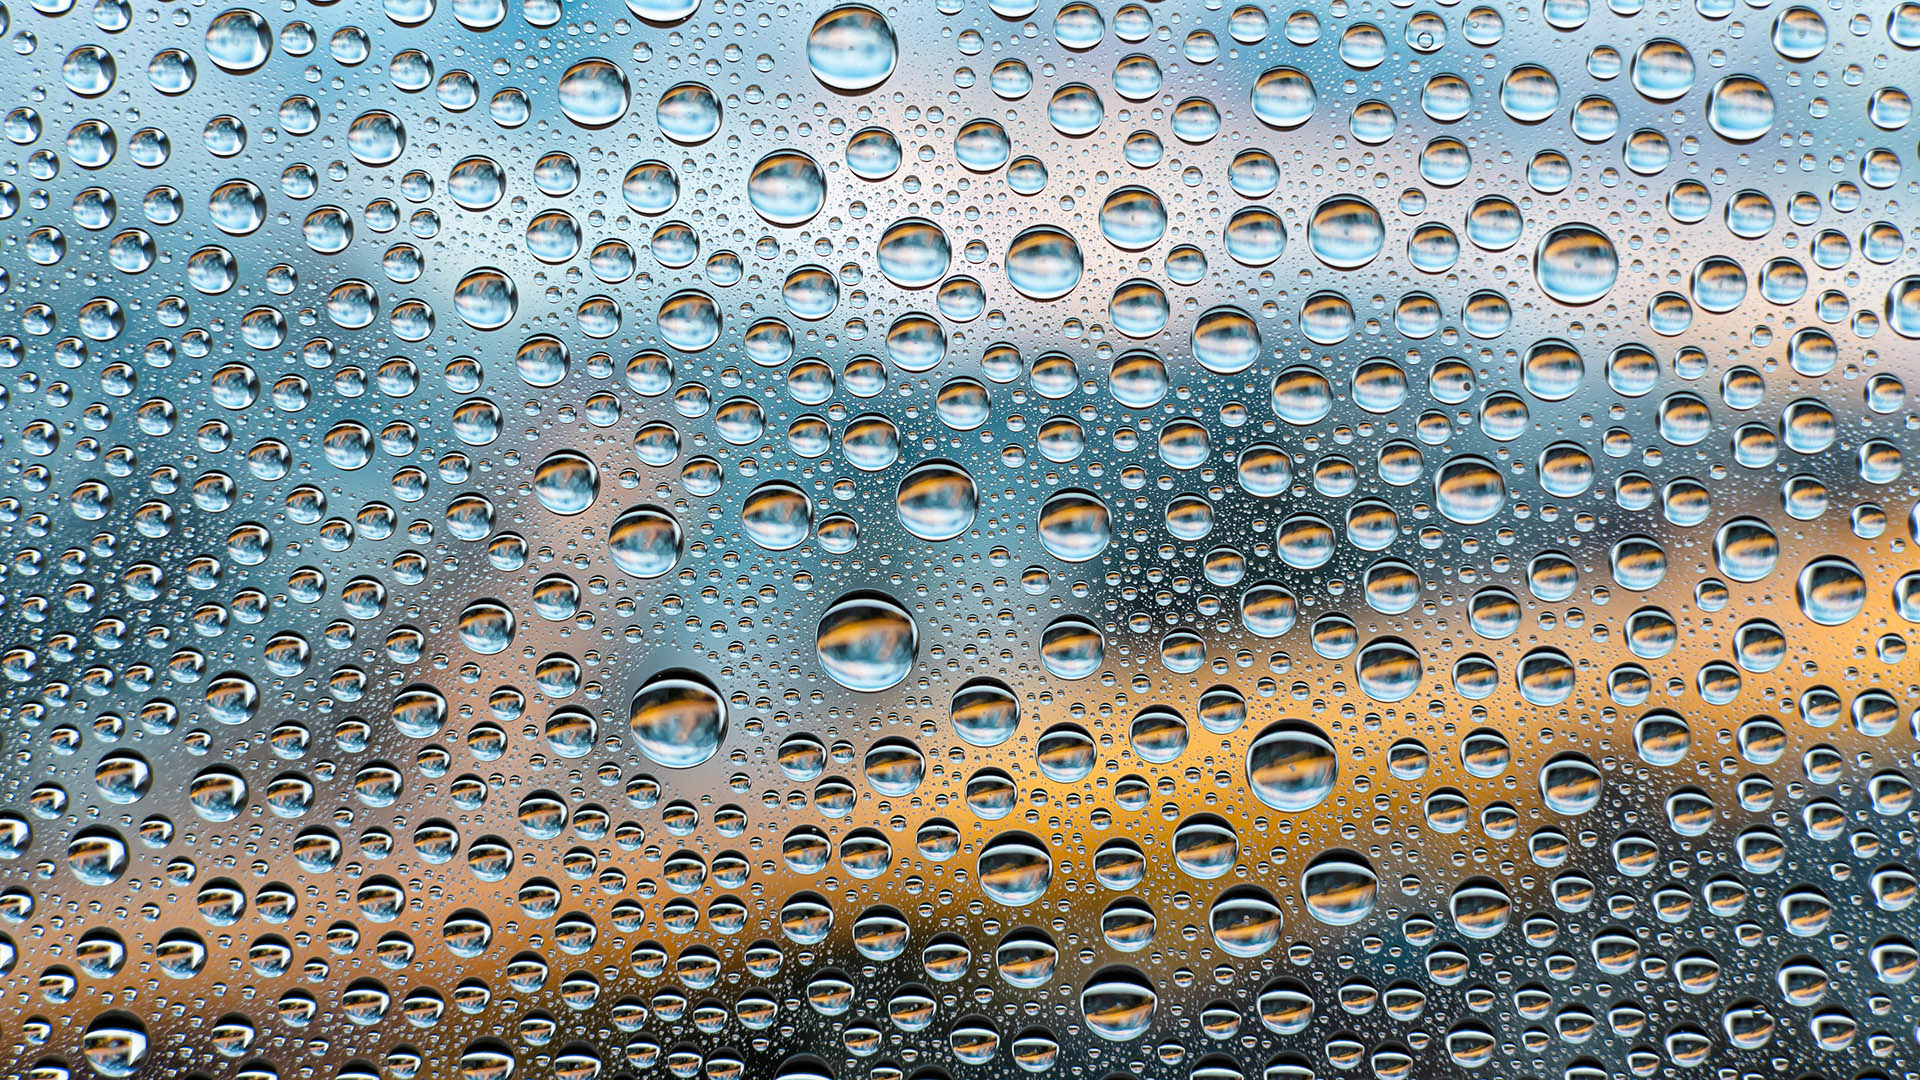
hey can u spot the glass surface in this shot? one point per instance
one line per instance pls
(958, 539)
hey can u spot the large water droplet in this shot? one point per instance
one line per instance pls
(1044, 262)
(1575, 264)
(1291, 766)
(851, 48)
(867, 642)
(678, 719)
(593, 93)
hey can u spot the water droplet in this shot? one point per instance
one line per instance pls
(851, 48)
(867, 642)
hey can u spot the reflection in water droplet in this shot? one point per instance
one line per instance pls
(1072, 648)
(985, 712)
(1291, 766)
(1576, 264)
(486, 299)
(678, 719)
(851, 48)
(594, 93)
(1015, 869)
(688, 113)
(1346, 232)
(1468, 490)
(1118, 1003)
(777, 515)
(787, 188)
(867, 642)
(238, 40)
(1740, 108)
(937, 500)
(1044, 263)
(1339, 888)
(566, 482)
(913, 253)
(1075, 525)
(1284, 97)
(645, 541)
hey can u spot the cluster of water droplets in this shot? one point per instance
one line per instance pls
(837, 541)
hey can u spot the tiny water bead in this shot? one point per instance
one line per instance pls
(1132, 539)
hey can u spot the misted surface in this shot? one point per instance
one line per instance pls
(812, 541)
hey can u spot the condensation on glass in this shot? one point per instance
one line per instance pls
(819, 541)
